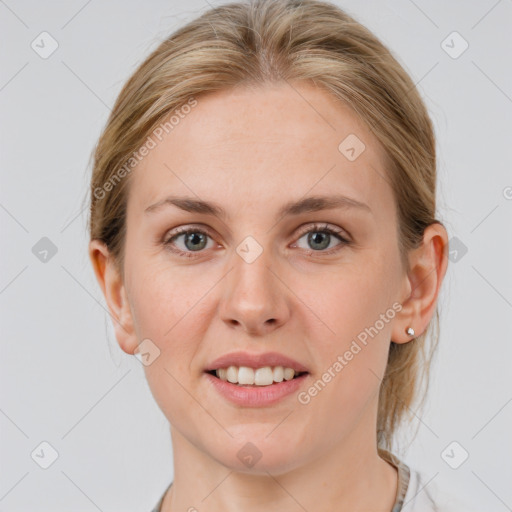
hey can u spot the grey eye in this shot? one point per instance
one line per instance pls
(319, 240)
(195, 241)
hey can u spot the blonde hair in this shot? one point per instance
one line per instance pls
(257, 42)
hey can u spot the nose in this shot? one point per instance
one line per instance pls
(255, 300)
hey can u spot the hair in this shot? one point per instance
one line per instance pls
(259, 42)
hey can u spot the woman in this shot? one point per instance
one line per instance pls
(263, 227)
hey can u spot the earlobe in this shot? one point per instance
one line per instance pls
(428, 265)
(112, 286)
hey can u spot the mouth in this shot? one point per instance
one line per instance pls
(245, 376)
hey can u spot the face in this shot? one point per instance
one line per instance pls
(303, 283)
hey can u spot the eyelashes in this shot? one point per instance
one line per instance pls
(204, 234)
(180, 232)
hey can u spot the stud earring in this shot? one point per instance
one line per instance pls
(410, 331)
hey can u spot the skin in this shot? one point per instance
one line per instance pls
(251, 150)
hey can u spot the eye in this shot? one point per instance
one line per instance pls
(194, 240)
(319, 238)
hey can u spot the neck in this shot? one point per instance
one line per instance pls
(351, 476)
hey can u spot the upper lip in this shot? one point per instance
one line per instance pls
(255, 361)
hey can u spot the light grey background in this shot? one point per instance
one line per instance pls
(63, 378)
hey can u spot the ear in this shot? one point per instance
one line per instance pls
(111, 283)
(428, 265)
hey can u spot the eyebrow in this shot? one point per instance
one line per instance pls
(306, 205)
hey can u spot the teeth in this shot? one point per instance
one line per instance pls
(231, 374)
(278, 374)
(222, 373)
(245, 375)
(265, 376)
(288, 374)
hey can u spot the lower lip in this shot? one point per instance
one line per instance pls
(256, 396)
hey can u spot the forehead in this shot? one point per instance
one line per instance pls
(268, 142)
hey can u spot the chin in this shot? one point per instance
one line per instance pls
(254, 451)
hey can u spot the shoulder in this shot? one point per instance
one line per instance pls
(425, 495)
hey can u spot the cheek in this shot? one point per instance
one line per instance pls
(355, 307)
(164, 299)
(166, 305)
(348, 300)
